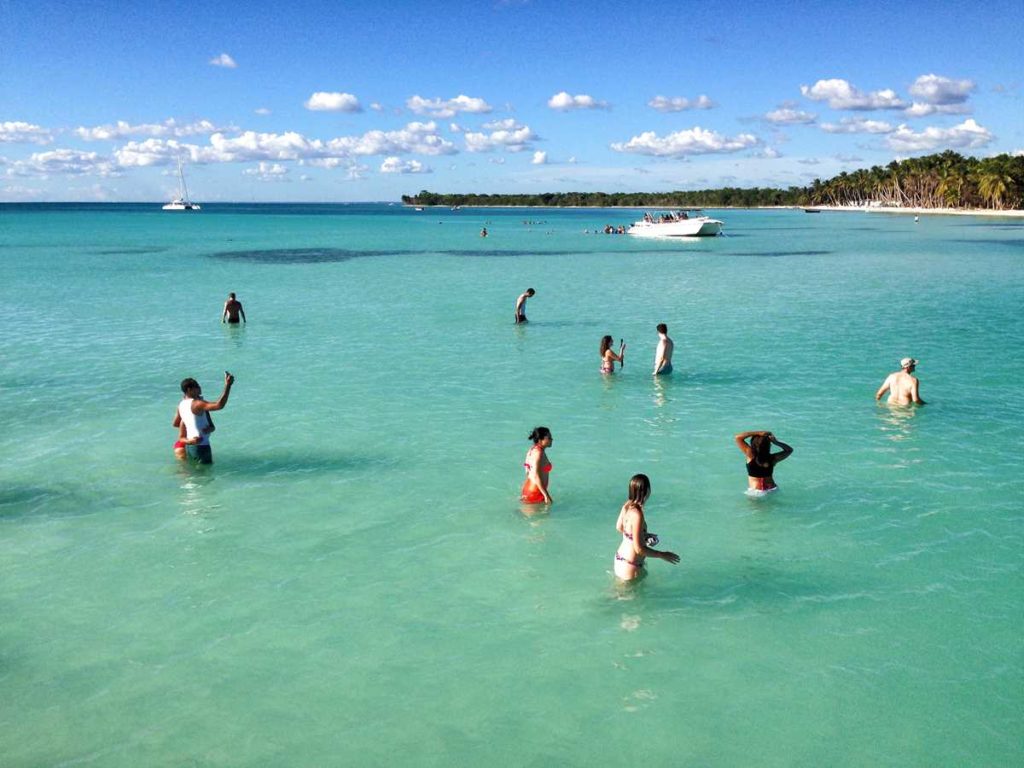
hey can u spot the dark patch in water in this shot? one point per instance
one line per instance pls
(506, 254)
(134, 251)
(300, 255)
(776, 254)
(1016, 243)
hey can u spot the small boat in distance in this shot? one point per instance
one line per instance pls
(181, 202)
(692, 223)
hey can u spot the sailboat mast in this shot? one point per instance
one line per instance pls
(182, 188)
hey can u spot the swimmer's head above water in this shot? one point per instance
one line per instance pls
(539, 434)
(639, 489)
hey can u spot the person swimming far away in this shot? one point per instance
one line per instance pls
(538, 468)
(637, 544)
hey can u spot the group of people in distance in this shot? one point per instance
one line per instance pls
(756, 445)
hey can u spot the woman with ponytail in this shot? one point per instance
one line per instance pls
(535, 487)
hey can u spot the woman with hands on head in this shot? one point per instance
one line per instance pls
(760, 459)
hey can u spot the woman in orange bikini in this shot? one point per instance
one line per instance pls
(637, 544)
(535, 488)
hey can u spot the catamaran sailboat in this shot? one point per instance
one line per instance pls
(181, 202)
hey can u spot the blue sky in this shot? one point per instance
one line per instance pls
(345, 101)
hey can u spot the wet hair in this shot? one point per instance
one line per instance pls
(530, 291)
(606, 343)
(639, 489)
(662, 328)
(231, 295)
(187, 384)
(762, 448)
(539, 433)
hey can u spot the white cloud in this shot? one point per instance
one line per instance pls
(17, 132)
(455, 128)
(967, 135)
(251, 146)
(169, 127)
(840, 94)
(261, 111)
(515, 140)
(63, 162)
(376, 106)
(789, 116)
(268, 172)
(508, 124)
(563, 102)
(694, 141)
(935, 89)
(769, 153)
(539, 158)
(919, 109)
(394, 165)
(332, 101)
(447, 108)
(498, 160)
(572, 160)
(678, 103)
(223, 61)
(857, 125)
(416, 138)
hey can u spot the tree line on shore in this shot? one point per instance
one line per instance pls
(945, 180)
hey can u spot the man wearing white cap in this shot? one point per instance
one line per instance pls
(902, 386)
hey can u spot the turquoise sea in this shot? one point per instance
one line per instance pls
(355, 583)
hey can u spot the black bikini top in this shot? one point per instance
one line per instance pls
(756, 470)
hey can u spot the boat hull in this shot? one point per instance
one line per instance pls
(696, 227)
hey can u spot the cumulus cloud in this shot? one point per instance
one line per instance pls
(967, 135)
(514, 139)
(332, 101)
(446, 108)
(935, 89)
(678, 103)
(395, 165)
(376, 106)
(840, 94)
(564, 102)
(508, 124)
(539, 158)
(252, 146)
(768, 153)
(857, 125)
(919, 109)
(169, 127)
(63, 162)
(415, 139)
(224, 60)
(693, 141)
(268, 172)
(790, 116)
(17, 132)
(261, 111)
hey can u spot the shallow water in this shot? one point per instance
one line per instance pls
(355, 582)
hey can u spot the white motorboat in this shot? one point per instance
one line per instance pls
(181, 202)
(676, 224)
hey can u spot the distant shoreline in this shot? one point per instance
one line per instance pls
(988, 212)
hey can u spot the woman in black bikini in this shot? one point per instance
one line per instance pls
(636, 543)
(760, 459)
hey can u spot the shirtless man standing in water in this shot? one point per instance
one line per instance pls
(663, 355)
(902, 386)
(232, 309)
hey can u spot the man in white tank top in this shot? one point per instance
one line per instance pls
(193, 412)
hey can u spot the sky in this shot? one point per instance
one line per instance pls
(364, 101)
